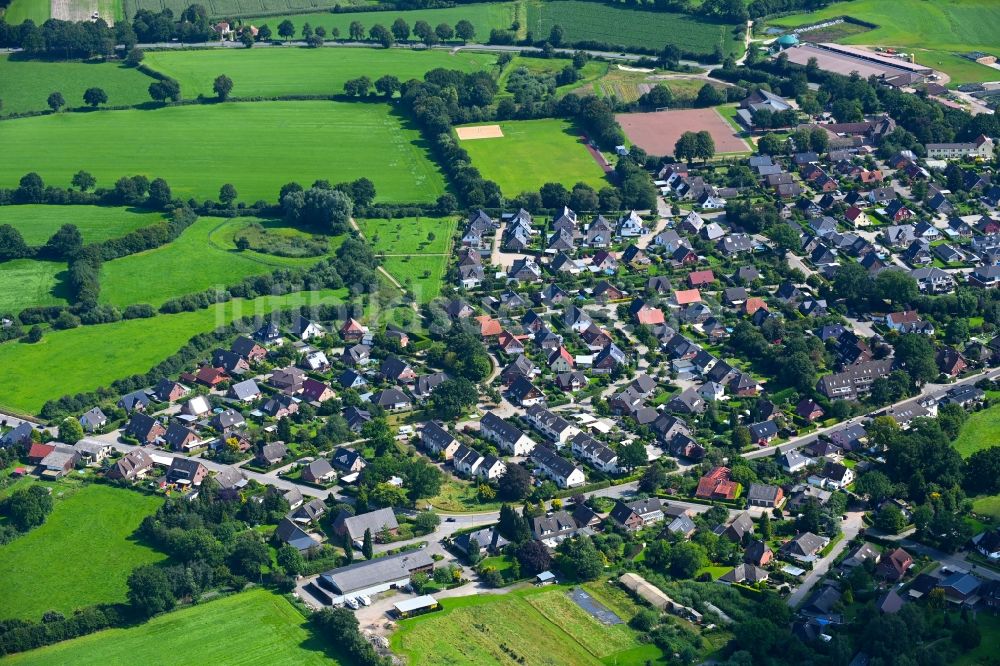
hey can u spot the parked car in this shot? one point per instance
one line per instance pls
(353, 604)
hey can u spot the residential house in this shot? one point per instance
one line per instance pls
(319, 471)
(717, 484)
(804, 547)
(894, 565)
(186, 472)
(245, 391)
(181, 438)
(347, 461)
(508, 437)
(563, 472)
(144, 428)
(768, 496)
(392, 400)
(636, 515)
(93, 420)
(438, 441)
(132, 466)
(375, 522)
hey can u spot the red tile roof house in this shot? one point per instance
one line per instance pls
(352, 331)
(210, 376)
(894, 565)
(649, 316)
(488, 326)
(686, 296)
(38, 451)
(809, 410)
(752, 304)
(699, 278)
(717, 484)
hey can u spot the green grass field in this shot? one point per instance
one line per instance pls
(535, 626)
(254, 627)
(25, 84)
(988, 506)
(257, 147)
(84, 358)
(298, 71)
(532, 153)
(979, 432)
(203, 257)
(484, 17)
(591, 72)
(37, 222)
(986, 653)
(409, 235)
(19, 11)
(934, 29)
(613, 24)
(421, 275)
(82, 554)
(28, 283)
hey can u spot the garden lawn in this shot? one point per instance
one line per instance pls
(409, 235)
(618, 26)
(254, 627)
(257, 147)
(421, 275)
(82, 554)
(28, 283)
(300, 71)
(483, 16)
(203, 257)
(988, 506)
(928, 27)
(37, 222)
(534, 152)
(85, 358)
(25, 85)
(979, 432)
(986, 652)
(535, 627)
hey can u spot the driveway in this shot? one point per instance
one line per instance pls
(850, 527)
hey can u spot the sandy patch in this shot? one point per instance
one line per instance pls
(479, 132)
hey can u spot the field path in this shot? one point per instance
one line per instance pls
(392, 280)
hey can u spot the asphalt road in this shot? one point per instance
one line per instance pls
(851, 526)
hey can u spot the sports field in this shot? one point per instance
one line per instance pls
(84, 358)
(483, 16)
(295, 71)
(257, 147)
(28, 283)
(657, 132)
(25, 85)
(532, 153)
(532, 627)
(582, 20)
(253, 627)
(203, 257)
(82, 554)
(37, 222)
(979, 432)
(933, 29)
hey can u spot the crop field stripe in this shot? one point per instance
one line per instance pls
(301, 71)
(290, 141)
(617, 25)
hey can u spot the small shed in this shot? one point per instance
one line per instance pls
(415, 606)
(545, 578)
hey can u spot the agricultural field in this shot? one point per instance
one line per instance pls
(532, 153)
(85, 358)
(203, 257)
(20, 11)
(289, 141)
(932, 29)
(254, 627)
(235, 8)
(301, 71)
(483, 17)
(25, 85)
(409, 235)
(91, 519)
(979, 432)
(532, 627)
(37, 222)
(28, 283)
(582, 20)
